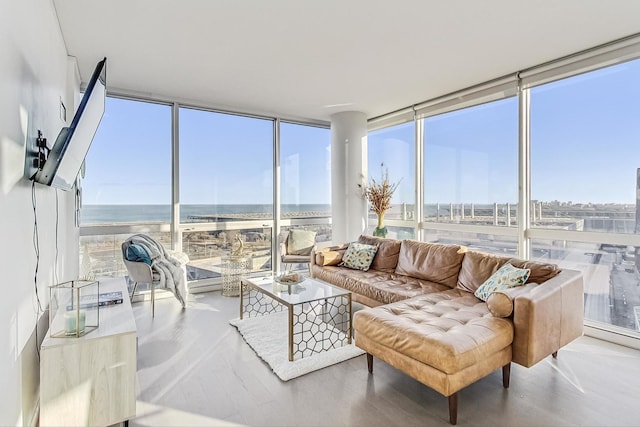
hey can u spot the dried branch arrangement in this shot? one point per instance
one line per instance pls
(379, 193)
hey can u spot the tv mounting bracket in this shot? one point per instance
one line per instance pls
(43, 151)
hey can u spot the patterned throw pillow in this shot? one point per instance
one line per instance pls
(358, 256)
(505, 277)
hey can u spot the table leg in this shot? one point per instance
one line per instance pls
(290, 334)
(241, 303)
(350, 318)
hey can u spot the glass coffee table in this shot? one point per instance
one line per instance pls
(319, 315)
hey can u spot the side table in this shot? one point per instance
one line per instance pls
(91, 380)
(233, 268)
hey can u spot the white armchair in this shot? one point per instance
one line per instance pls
(141, 272)
(296, 248)
(167, 270)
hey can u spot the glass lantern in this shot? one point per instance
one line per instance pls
(73, 308)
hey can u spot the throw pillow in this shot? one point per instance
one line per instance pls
(330, 257)
(500, 304)
(300, 242)
(137, 253)
(434, 262)
(506, 277)
(358, 256)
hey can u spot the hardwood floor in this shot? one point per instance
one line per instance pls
(195, 369)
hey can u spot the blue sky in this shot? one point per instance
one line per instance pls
(224, 159)
(585, 145)
(585, 135)
(129, 161)
(585, 148)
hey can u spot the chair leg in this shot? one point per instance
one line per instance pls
(153, 300)
(370, 363)
(555, 354)
(135, 285)
(453, 408)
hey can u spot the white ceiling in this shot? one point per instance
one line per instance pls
(310, 59)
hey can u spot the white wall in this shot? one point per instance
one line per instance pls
(33, 79)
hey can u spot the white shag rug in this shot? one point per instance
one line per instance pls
(267, 335)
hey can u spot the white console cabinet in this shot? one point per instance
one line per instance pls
(91, 380)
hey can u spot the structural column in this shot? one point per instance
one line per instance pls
(524, 174)
(348, 174)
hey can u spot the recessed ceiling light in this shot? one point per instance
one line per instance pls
(338, 105)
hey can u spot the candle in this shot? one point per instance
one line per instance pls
(70, 318)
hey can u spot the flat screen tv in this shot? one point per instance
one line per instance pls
(61, 168)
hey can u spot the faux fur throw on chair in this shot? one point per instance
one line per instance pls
(170, 266)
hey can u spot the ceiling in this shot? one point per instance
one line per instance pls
(301, 59)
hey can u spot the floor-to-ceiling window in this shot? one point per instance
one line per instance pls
(543, 164)
(392, 150)
(127, 183)
(226, 192)
(305, 179)
(226, 189)
(585, 182)
(471, 176)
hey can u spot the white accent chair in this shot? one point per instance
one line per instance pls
(141, 272)
(297, 247)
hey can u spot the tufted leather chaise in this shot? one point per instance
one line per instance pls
(425, 320)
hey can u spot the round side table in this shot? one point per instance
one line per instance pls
(233, 267)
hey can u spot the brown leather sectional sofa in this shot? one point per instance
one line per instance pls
(424, 319)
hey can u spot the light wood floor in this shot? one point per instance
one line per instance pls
(195, 369)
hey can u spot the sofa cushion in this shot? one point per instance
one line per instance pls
(386, 258)
(295, 259)
(376, 285)
(476, 268)
(430, 261)
(506, 277)
(540, 271)
(300, 242)
(358, 256)
(448, 330)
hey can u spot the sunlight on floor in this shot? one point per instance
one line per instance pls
(192, 303)
(154, 415)
(566, 372)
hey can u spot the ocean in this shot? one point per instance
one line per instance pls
(109, 214)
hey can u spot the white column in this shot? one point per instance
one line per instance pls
(348, 170)
(524, 174)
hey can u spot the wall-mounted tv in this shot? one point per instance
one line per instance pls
(61, 168)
